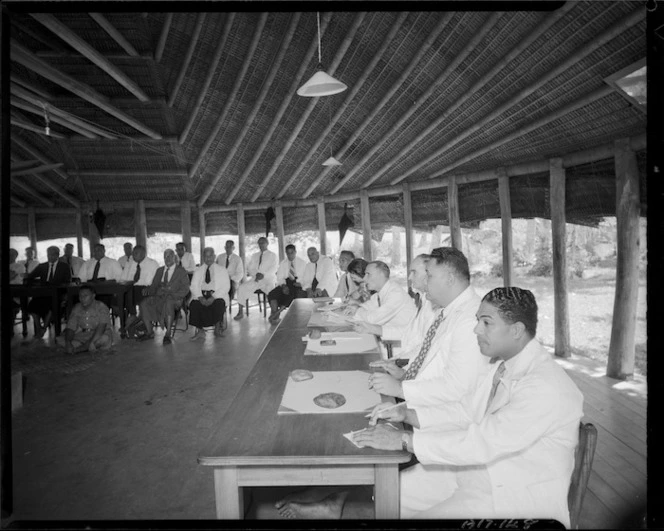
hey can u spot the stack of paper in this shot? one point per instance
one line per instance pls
(346, 343)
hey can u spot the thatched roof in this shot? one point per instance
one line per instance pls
(207, 111)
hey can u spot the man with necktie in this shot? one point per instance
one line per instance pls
(184, 257)
(141, 271)
(209, 295)
(165, 295)
(289, 283)
(100, 267)
(233, 265)
(346, 286)
(262, 267)
(319, 279)
(51, 272)
(73, 262)
(127, 257)
(505, 450)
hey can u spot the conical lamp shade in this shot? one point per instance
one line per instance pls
(331, 162)
(321, 84)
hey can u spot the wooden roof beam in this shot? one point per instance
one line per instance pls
(604, 37)
(18, 183)
(37, 169)
(114, 33)
(23, 56)
(23, 124)
(232, 95)
(17, 201)
(357, 85)
(161, 45)
(138, 174)
(67, 35)
(24, 164)
(380, 106)
(30, 87)
(398, 126)
(45, 39)
(33, 152)
(48, 184)
(214, 63)
(200, 20)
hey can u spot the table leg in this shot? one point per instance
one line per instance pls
(386, 492)
(55, 311)
(24, 315)
(228, 494)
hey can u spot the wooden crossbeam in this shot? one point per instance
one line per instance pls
(29, 190)
(31, 88)
(23, 56)
(14, 120)
(137, 173)
(114, 33)
(33, 152)
(38, 169)
(48, 184)
(24, 164)
(45, 39)
(17, 201)
(19, 104)
(200, 20)
(161, 45)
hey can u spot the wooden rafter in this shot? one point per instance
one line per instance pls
(161, 45)
(187, 58)
(38, 91)
(24, 164)
(324, 136)
(38, 155)
(214, 62)
(110, 56)
(417, 106)
(380, 106)
(37, 169)
(23, 56)
(221, 120)
(17, 201)
(137, 174)
(45, 39)
(67, 35)
(29, 126)
(114, 33)
(18, 183)
(585, 50)
(48, 184)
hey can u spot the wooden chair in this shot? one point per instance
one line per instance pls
(583, 462)
(183, 312)
(262, 304)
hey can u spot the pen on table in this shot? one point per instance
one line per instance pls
(387, 408)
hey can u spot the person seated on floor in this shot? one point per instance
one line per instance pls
(319, 279)
(30, 261)
(165, 295)
(289, 283)
(345, 285)
(89, 325)
(126, 257)
(262, 267)
(390, 303)
(234, 267)
(51, 272)
(209, 295)
(184, 257)
(73, 262)
(412, 335)
(356, 272)
(141, 271)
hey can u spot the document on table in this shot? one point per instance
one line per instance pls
(346, 343)
(330, 319)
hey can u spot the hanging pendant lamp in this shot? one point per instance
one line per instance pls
(321, 83)
(331, 161)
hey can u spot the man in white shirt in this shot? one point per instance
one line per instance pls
(140, 271)
(319, 279)
(30, 261)
(346, 286)
(262, 267)
(100, 267)
(448, 363)
(390, 304)
(128, 249)
(289, 283)
(234, 267)
(505, 450)
(16, 269)
(185, 258)
(209, 295)
(74, 262)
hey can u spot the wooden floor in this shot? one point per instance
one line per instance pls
(617, 488)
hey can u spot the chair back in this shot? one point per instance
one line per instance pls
(583, 462)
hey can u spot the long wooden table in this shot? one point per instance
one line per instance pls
(24, 292)
(253, 446)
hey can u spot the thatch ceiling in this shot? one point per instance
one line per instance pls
(202, 105)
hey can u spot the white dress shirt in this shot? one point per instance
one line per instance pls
(235, 267)
(148, 269)
(187, 261)
(31, 265)
(108, 268)
(219, 282)
(124, 259)
(323, 270)
(268, 267)
(345, 287)
(454, 363)
(284, 270)
(526, 439)
(19, 269)
(76, 264)
(396, 307)
(411, 335)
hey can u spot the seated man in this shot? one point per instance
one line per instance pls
(141, 271)
(185, 258)
(234, 267)
(16, 269)
(390, 304)
(319, 279)
(165, 295)
(100, 267)
(30, 261)
(289, 287)
(209, 295)
(262, 267)
(73, 262)
(346, 285)
(89, 325)
(128, 250)
(51, 272)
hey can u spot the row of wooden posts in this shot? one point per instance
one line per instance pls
(621, 351)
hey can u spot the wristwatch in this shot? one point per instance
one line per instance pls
(404, 441)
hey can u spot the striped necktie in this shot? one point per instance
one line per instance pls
(414, 367)
(497, 376)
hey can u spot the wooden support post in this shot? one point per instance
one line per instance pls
(93, 235)
(279, 213)
(240, 233)
(185, 221)
(366, 223)
(322, 227)
(32, 229)
(79, 233)
(453, 212)
(621, 349)
(201, 230)
(561, 312)
(506, 222)
(141, 224)
(396, 246)
(408, 224)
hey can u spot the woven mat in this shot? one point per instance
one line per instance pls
(30, 359)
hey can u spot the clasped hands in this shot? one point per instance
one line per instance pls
(206, 301)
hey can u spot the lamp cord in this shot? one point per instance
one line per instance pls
(319, 54)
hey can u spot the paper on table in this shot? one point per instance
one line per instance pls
(331, 307)
(325, 319)
(346, 343)
(350, 434)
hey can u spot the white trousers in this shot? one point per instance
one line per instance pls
(246, 289)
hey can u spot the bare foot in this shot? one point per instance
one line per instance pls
(329, 508)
